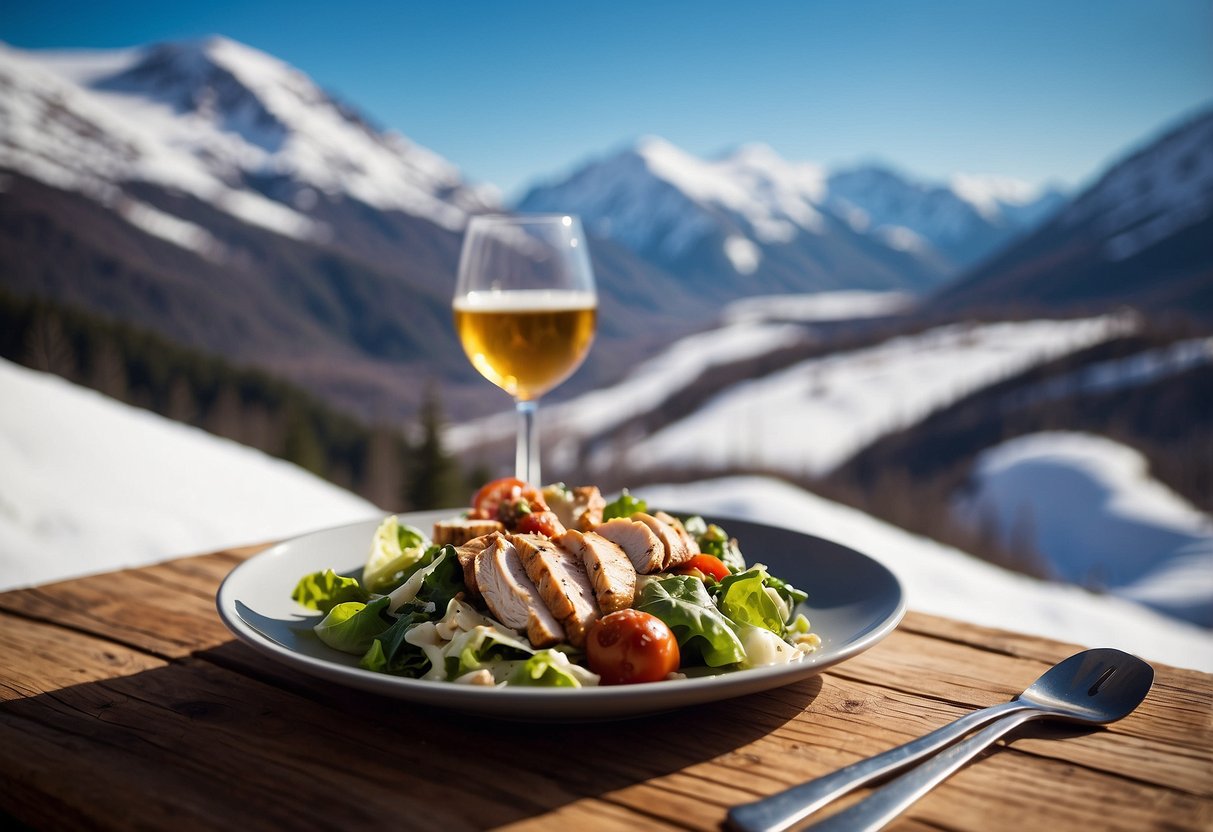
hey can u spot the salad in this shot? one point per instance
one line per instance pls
(556, 587)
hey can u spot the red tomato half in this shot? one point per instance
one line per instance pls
(708, 565)
(631, 646)
(486, 505)
(545, 523)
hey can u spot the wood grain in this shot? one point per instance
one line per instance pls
(125, 703)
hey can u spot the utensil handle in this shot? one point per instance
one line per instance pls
(886, 803)
(779, 811)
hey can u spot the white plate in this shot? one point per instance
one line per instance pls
(853, 603)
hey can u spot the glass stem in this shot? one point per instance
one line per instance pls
(526, 454)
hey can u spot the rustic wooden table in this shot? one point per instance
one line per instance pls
(127, 704)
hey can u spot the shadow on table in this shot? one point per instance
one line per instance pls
(477, 771)
(228, 738)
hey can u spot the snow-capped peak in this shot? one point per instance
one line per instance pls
(963, 218)
(210, 116)
(656, 196)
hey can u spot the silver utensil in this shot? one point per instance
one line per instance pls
(1093, 687)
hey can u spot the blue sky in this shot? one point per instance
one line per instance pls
(511, 91)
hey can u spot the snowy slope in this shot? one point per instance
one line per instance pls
(1163, 188)
(945, 581)
(217, 120)
(88, 484)
(811, 417)
(1088, 506)
(572, 422)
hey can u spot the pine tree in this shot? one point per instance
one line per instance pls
(433, 478)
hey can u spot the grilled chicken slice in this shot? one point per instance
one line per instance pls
(689, 548)
(562, 583)
(610, 571)
(458, 532)
(642, 546)
(467, 560)
(675, 549)
(512, 596)
(578, 508)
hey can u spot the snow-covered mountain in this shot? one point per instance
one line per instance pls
(1138, 235)
(86, 489)
(216, 195)
(748, 223)
(761, 220)
(965, 219)
(220, 121)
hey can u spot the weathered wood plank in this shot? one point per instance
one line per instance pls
(99, 706)
(127, 608)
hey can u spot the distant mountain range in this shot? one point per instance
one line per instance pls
(214, 194)
(754, 219)
(1141, 235)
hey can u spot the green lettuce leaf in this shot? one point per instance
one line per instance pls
(390, 653)
(790, 594)
(436, 578)
(743, 599)
(352, 626)
(625, 505)
(480, 647)
(444, 581)
(545, 669)
(683, 603)
(325, 590)
(714, 541)
(395, 550)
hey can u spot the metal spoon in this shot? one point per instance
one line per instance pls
(1092, 687)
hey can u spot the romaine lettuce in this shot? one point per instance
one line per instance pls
(625, 505)
(682, 602)
(743, 599)
(390, 653)
(395, 548)
(325, 590)
(352, 626)
(548, 669)
(481, 647)
(437, 581)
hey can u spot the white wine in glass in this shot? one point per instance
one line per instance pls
(525, 311)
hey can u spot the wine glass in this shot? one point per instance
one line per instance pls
(525, 310)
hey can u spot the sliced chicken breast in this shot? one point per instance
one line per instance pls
(467, 560)
(690, 548)
(562, 582)
(639, 542)
(511, 596)
(675, 549)
(610, 570)
(458, 532)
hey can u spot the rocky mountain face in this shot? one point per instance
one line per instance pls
(1140, 236)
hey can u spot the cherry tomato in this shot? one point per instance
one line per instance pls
(708, 565)
(507, 491)
(631, 646)
(541, 522)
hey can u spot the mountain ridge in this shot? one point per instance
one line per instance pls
(747, 211)
(1137, 234)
